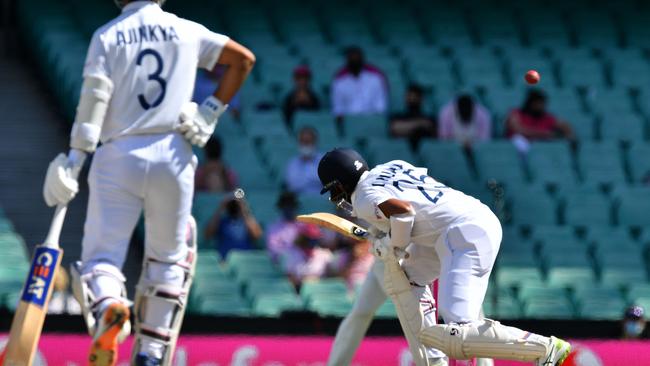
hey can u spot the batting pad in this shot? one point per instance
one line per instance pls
(408, 310)
(488, 339)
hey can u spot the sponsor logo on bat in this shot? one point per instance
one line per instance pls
(40, 276)
(359, 232)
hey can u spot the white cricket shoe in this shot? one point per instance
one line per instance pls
(558, 351)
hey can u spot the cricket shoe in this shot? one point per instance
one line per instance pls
(114, 326)
(558, 352)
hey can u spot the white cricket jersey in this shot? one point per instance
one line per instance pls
(151, 56)
(436, 206)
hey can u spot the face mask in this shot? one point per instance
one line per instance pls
(307, 150)
(288, 213)
(633, 328)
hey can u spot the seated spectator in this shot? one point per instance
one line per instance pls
(465, 121)
(302, 97)
(281, 235)
(358, 88)
(62, 301)
(413, 123)
(207, 82)
(233, 227)
(633, 322)
(301, 174)
(214, 175)
(306, 260)
(533, 122)
(352, 261)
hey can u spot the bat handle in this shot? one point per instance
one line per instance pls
(52, 239)
(401, 253)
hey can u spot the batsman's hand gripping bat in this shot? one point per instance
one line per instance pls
(343, 226)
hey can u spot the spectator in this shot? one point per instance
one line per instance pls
(413, 123)
(301, 175)
(533, 122)
(214, 175)
(206, 83)
(306, 260)
(283, 233)
(352, 261)
(358, 88)
(633, 322)
(302, 97)
(233, 226)
(62, 301)
(465, 121)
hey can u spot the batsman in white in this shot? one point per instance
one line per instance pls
(451, 237)
(138, 80)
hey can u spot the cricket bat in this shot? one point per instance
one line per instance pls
(342, 226)
(30, 314)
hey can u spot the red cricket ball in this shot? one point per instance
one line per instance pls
(532, 77)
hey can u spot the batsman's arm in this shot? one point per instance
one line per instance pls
(240, 61)
(401, 215)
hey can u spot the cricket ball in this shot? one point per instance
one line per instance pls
(532, 77)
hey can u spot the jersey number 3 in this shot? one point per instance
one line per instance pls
(154, 76)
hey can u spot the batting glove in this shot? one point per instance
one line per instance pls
(198, 122)
(61, 184)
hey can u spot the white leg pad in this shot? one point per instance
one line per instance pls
(161, 299)
(487, 339)
(398, 287)
(94, 290)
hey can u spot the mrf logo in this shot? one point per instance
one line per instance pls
(40, 275)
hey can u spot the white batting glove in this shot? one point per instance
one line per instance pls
(198, 122)
(382, 249)
(61, 184)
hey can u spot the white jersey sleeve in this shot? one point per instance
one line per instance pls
(210, 46)
(96, 59)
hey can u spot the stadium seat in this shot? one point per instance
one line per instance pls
(639, 162)
(587, 208)
(499, 161)
(502, 308)
(549, 309)
(380, 151)
(267, 287)
(550, 162)
(622, 276)
(328, 287)
(223, 306)
(322, 122)
(633, 209)
(331, 306)
(600, 162)
(365, 126)
(532, 207)
(272, 305)
(446, 162)
(622, 126)
(602, 309)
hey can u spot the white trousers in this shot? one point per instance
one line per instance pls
(150, 173)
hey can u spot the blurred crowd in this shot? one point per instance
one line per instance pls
(306, 252)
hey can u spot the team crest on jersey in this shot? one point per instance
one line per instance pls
(40, 276)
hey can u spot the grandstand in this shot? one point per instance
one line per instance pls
(576, 222)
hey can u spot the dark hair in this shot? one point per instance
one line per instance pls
(415, 88)
(287, 199)
(465, 106)
(353, 49)
(213, 148)
(534, 95)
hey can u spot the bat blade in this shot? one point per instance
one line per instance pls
(335, 223)
(30, 314)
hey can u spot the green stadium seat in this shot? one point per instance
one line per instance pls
(215, 287)
(365, 126)
(268, 287)
(639, 162)
(386, 310)
(602, 309)
(633, 209)
(622, 276)
(550, 162)
(564, 276)
(582, 73)
(532, 207)
(502, 308)
(499, 161)
(549, 309)
(324, 287)
(609, 237)
(243, 258)
(622, 126)
(228, 306)
(380, 151)
(637, 290)
(514, 242)
(326, 306)
(587, 208)
(323, 122)
(446, 162)
(272, 305)
(600, 162)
